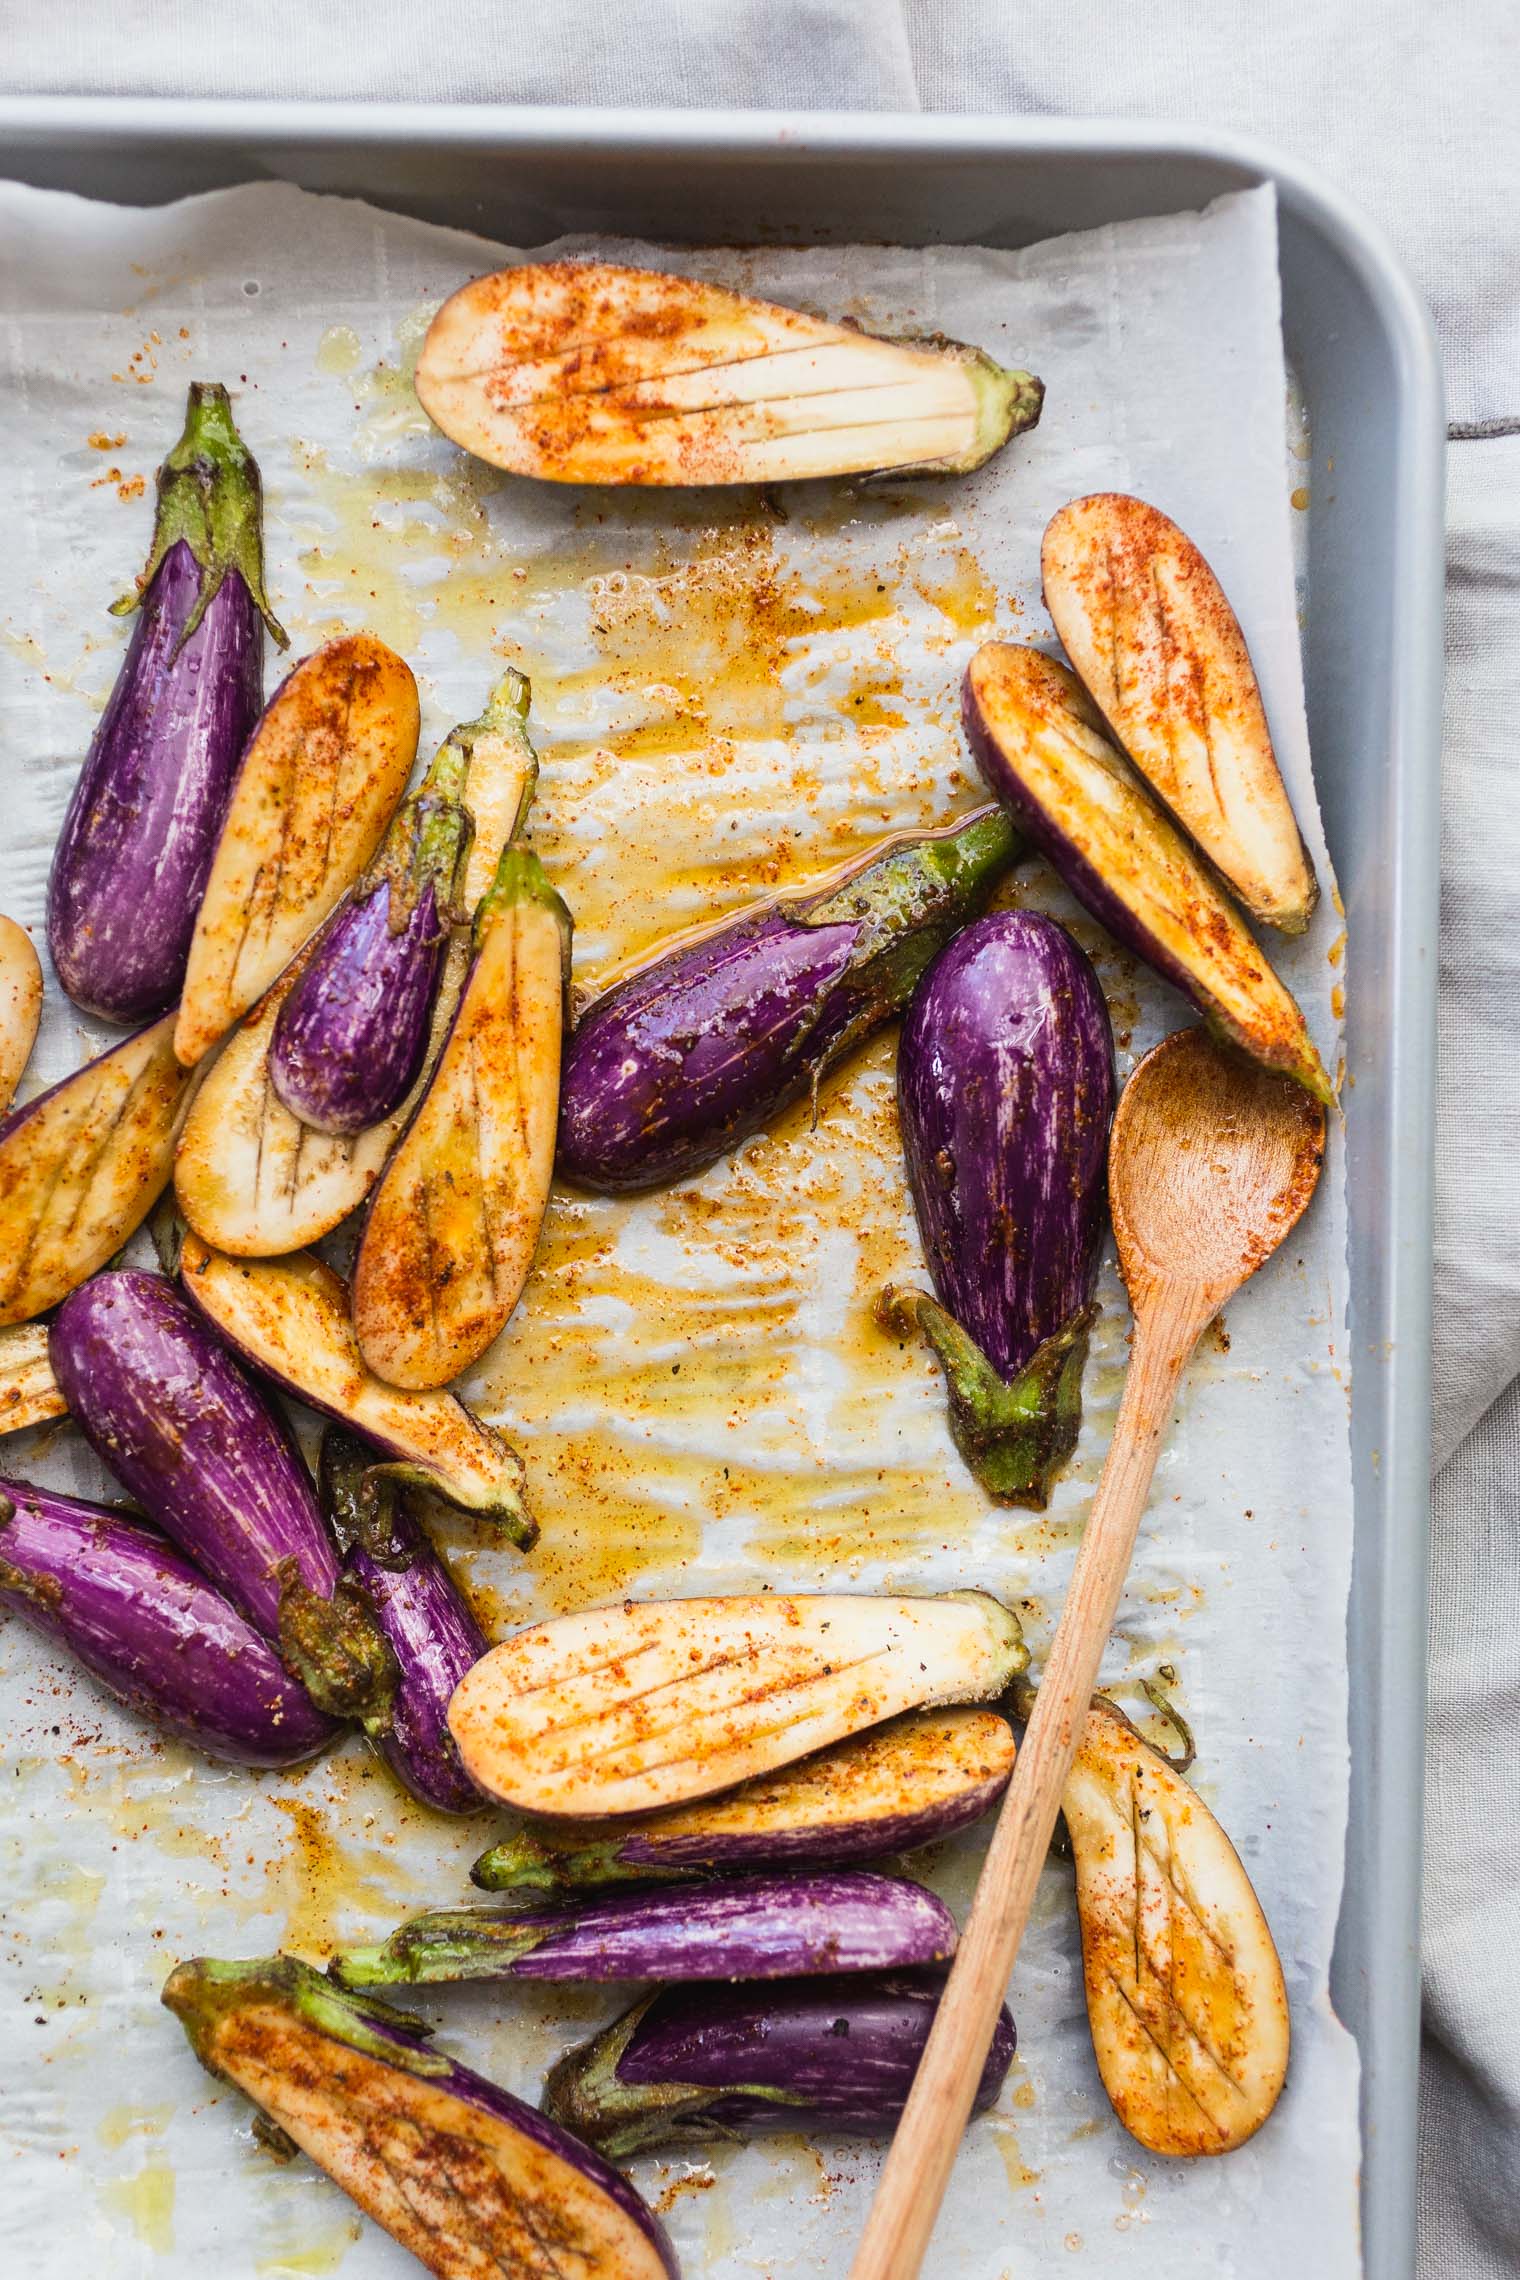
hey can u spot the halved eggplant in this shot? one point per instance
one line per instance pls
(826, 2057)
(82, 1165)
(476, 2184)
(1146, 624)
(290, 1319)
(29, 1392)
(582, 372)
(1039, 742)
(20, 1006)
(787, 1925)
(1185, 1993)
(908, 1783)
(631, 1708)
(453, 1225)
(251, 1178)
(322, 772)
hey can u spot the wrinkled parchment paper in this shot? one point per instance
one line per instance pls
(731, 693)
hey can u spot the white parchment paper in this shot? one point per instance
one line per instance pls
(731, 693)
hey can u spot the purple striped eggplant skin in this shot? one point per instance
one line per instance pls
(787, 1926)
(352, 1036)
(143, 1621)
(828, 2057)
(430, 1627)
(697, 1050)
(908, 1783)
(460, 2172)
(1005, 1087)
(141, 829)
(164, 1405)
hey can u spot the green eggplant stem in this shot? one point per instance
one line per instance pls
(506, 714)
(1017, 1435)
(204, 1991)
(209, 495)
(443, 1945)
(337, 1651)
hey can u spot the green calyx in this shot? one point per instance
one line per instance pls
(583, 2092)
(210, 496)
(520, 879)
(205, 1991)
(442, 1945)
(337, 1651)
(506, 714)
(362, 1505)
(505, 1509)
(1007, 402)
(1014, 1435)
(528, 1862)
(426, 846)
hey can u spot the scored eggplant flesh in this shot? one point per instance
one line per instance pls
(459, 2171)
(29, 1392)
(908, 1783)
(1146, 624)
(584, 372)
(1040, 743)
(20, 1006)
(290, 1318)
(1185, 1993)
(322, 772)
(82, 1165)
(454, 1222)
(625, 1709)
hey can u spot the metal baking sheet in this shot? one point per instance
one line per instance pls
(1363, 352)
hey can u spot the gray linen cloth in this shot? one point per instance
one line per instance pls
(1412, 107)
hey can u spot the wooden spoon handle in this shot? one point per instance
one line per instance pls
(928, 2136)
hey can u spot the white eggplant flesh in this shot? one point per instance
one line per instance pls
(583, 372)
(1185, 1993)
(20, 1006)
(29, 1392)
(630, 1708)
(318, 783)
(1146, 624)
(82, 1165)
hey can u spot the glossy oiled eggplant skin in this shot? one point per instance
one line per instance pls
(141, 828)
(1006, 1092)
(742, 1927)
(350, 1039)
(835, 2057)
(1005, 1078)
(163, 1403)
(702, 1047)
(149, 1626)
(432, 1631)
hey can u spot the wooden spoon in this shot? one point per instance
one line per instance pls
(1211, 1163)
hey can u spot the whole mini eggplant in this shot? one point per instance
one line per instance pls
(709, 1042)
(137, 842)
(163, 1403)
(907, 1783)
(150, 1627)
(350, 1039)
(463, 2174)
(833, 2057)
(1005, 1086)
(432, 1632)
(744, 1927)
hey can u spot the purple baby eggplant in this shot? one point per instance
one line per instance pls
(744, 1927)
(137, 842)
(706, 1044)
(163, 1403)
(907, 1783)
(1005, 1089)
(431, 1631)
(352, 1036)
(832, 2057)
(459, 2171)
(148, 1625)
